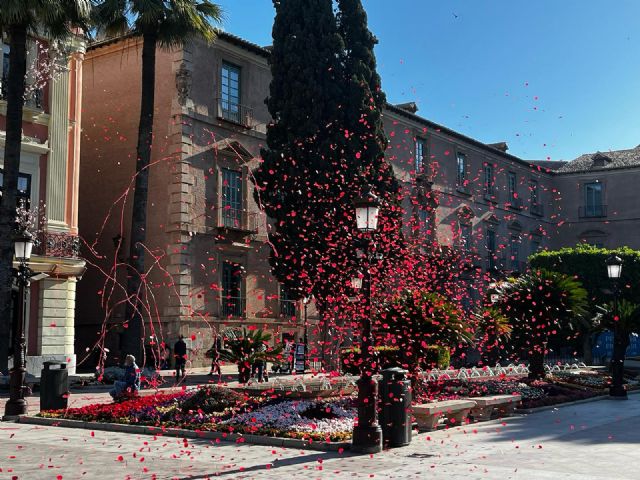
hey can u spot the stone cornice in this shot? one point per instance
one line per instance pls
(28, 144)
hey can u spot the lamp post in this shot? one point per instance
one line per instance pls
(617, 390)
(306, 301)
(367, 434)
(17, 404)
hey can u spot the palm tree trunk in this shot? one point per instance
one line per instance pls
(133, 338)
(536, 362)
(15, 101)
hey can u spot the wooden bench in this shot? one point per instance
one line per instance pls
(428, 415)
(503, 405)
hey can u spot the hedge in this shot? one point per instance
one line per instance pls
(435, 356)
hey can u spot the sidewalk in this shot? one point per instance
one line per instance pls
(595, 440)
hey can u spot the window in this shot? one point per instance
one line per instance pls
(513, 193)
(465, 236)
(533, 188)
(491, 249)
(231, 211)
(420, 155)
(232, 300)
(230, 92)
(24, 187)
(593, 196)
(514, 253)
(535, 246)
(287, 305)
(488, 179)
(535, 207)
(461, 169)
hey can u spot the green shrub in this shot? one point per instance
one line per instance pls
(432, 357)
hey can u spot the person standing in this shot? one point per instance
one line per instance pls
(180, 354)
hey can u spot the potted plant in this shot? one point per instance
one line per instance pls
(245, 347)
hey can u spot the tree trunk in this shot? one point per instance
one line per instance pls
(15, 102)
(620, 344)
(133, 338)
(587, 347)
(536, 362)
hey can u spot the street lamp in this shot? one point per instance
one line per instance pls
(17, 404)
(367, 434)
(617, 390)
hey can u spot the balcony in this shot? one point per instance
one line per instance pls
(235, 113)
(495, 263)
(517, 266)
(592, 211)
(491, 196)
(287, 308)
(60, 245)
(463, 189)
(34, 99)
(233, 307)
(515, 203)
(536, 209)
(236, 219)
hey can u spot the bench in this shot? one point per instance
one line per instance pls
(504, 405)
(427, 415)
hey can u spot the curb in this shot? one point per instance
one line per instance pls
(183, 433)
(568, 404)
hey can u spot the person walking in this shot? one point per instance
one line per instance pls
(180, 354)
(215, 360)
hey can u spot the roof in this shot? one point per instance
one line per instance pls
(228, 37)
(549, 164)
(602, 161)
(440, 128)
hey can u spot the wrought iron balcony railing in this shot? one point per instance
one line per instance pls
(61, 245)
(233, 306)
(592, 211)
(515, 203)
(237, 219)
(536, 209)
(34, 98)
(235, 113)
(287, 308)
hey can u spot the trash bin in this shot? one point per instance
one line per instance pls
(54, 386)
(395, 404)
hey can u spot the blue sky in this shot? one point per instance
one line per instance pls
(553, 78)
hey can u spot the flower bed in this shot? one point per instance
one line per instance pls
(215, 408)
(534, 393)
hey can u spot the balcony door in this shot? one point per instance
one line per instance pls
(232, 304)
(232, 199)
(593, 200)
(230, 92)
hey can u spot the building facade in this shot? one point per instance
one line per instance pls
(49, 180)
(206, 236)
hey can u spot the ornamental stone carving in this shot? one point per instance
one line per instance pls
(183, 84)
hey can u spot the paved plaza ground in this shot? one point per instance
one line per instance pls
(596, 440)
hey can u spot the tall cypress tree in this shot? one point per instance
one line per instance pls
(291, 181)
(325, 145)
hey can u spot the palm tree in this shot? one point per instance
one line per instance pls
(418, 320)
(245, 347)
(623, 319)
(53, 19)
(164, 24)
(539, 304)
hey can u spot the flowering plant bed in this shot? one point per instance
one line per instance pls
(534, 393)
(219, 409)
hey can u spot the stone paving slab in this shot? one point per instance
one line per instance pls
(597, 440)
